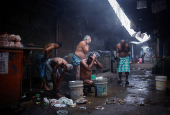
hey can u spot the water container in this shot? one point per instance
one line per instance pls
(76, 89)
(100, 87)
(161, 82)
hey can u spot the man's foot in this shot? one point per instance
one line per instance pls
(58, 95)
(119, 81)
(46, 89)
(127, 82)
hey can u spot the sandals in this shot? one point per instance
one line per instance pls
(118, 81)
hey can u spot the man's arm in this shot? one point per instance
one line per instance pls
(98, 64)
(85, 47)
(117, 50)
(88, 67)
(56, 67)
(48, 49)
(128, 48)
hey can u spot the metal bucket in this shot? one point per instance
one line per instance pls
(76, 89)
(100, 87)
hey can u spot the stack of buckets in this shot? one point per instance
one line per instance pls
(161, 82)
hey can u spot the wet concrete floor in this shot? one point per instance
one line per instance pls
(141, 96)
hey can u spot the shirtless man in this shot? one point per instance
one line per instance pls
(54, 64)
(122, 50)
(81, 50)
(43, 55)
(86, 66)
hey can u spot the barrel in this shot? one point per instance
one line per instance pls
(100, 87)
(76, 89)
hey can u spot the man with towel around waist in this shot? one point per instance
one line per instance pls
(81, 50)
(122, 50)
(42, 56)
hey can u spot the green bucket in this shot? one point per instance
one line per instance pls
(93, 77)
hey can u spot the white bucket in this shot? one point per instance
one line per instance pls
(161, 82)
(100, 87)
(76, 89)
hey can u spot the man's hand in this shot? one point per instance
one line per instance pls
(94, 57)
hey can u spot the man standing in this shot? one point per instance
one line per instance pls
(143, 55)
(43, 55)
(86, 66)
(122, 50)
(81, 50)
(52, 66)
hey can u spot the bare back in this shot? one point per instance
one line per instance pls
(84, 73)
(48, 46)
(82, 49)
(59, 60)
(122, 52)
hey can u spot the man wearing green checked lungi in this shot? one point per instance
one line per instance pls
(122, 50)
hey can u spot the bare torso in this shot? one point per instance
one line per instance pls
(47, 46)
(84, 73)
(81, 50)
(125, 52)
(59, 60)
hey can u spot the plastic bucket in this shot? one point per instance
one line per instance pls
(76, 89)
(161, 82)
(100, 87)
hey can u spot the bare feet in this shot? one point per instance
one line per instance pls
(46, 88)
(58, 95)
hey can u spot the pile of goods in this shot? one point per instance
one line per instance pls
(10, 40)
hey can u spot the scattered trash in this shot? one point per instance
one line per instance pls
(121, 101)
(60, 105)
(81, 101)
(45, 103)
(63, 100)
(38, 103)
(113, 101)
(82, 107)
(99, 107)
(89, 102)
(37, 95)
(24, 96)
(74, 105)
(84, 96)
(45, 100)
(62, 112)
(38, 99)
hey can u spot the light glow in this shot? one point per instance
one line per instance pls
(145, 48)
(126, 23)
